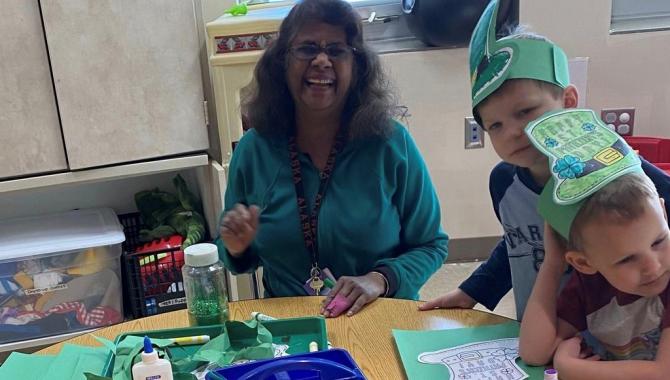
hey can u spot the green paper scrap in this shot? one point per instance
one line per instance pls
(74, 360)
(25, 366)
(183, 376)
(82, 362)
(111, 346)
(70, 364)
(219, 350)
(92, 376)
(412, 343)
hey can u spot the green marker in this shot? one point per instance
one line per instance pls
(328, 283)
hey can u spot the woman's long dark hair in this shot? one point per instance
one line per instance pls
(370, 104)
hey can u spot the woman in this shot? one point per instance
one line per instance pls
(326, 179)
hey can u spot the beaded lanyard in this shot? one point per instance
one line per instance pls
(309, 221)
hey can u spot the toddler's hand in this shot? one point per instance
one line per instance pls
(454, 299)
(572, 349)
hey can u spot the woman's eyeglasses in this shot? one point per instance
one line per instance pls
(336, 52)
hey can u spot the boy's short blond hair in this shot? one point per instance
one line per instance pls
(522, 32)
(620, 201)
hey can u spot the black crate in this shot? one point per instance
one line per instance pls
(146, 286)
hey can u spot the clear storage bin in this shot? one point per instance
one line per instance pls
(59, 273)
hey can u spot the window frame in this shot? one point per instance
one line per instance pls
(386, 31)
(634, 16)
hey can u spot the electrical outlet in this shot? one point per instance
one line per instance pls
(474, 134)
(620, 120)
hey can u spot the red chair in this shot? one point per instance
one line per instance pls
(665, 166)
(653, 149)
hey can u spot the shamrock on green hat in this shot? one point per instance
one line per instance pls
(584, 156)
(492, 61)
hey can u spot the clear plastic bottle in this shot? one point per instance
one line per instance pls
(205, 284)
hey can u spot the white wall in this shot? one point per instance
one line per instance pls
(434, 86)
(624, 69)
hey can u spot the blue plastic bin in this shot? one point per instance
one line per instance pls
(334, 364)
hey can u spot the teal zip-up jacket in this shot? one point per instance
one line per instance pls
(380, 210)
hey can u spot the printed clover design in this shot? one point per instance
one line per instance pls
(589, 127)
(550, 142)
(568, 167)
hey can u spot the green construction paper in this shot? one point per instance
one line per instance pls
(412, 343)
(92, 376)
(492, 61)
(70, 364)
(111, 346)
(74, 360)
(584, 156)
(25, 366)
(219, 350)
(183, 376)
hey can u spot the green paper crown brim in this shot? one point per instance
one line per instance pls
(584, 156)
(528, 59)
(559, 217)
(493, 62)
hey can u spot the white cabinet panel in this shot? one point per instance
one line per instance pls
(128, 78)
(31, 141)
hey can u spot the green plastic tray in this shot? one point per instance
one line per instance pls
(297, 333)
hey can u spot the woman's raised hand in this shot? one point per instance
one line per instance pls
(238, 228)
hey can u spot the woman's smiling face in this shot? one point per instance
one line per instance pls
(320, 85)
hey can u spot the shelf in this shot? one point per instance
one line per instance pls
(105, 174)
(47, 340)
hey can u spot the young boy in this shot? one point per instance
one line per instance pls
(614, 232)
(515, 80)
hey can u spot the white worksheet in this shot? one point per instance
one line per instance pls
(489, 360)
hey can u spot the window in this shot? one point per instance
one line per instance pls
(385, 25)
(630, 16)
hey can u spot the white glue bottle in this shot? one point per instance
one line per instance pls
(151, 367)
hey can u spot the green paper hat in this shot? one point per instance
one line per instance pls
(584, 156)
(493, 62)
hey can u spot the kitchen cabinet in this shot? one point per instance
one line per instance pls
(100, 90)
(127, 77)
(31, 141)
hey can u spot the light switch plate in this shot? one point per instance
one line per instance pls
(474, 134)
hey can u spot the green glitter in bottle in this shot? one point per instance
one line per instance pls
(205, 285)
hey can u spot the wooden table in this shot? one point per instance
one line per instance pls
(366, 335)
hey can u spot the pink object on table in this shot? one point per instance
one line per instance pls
(338, 305)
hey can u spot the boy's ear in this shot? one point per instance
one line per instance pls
(580, 262)
(665, 212)
(570, 97)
